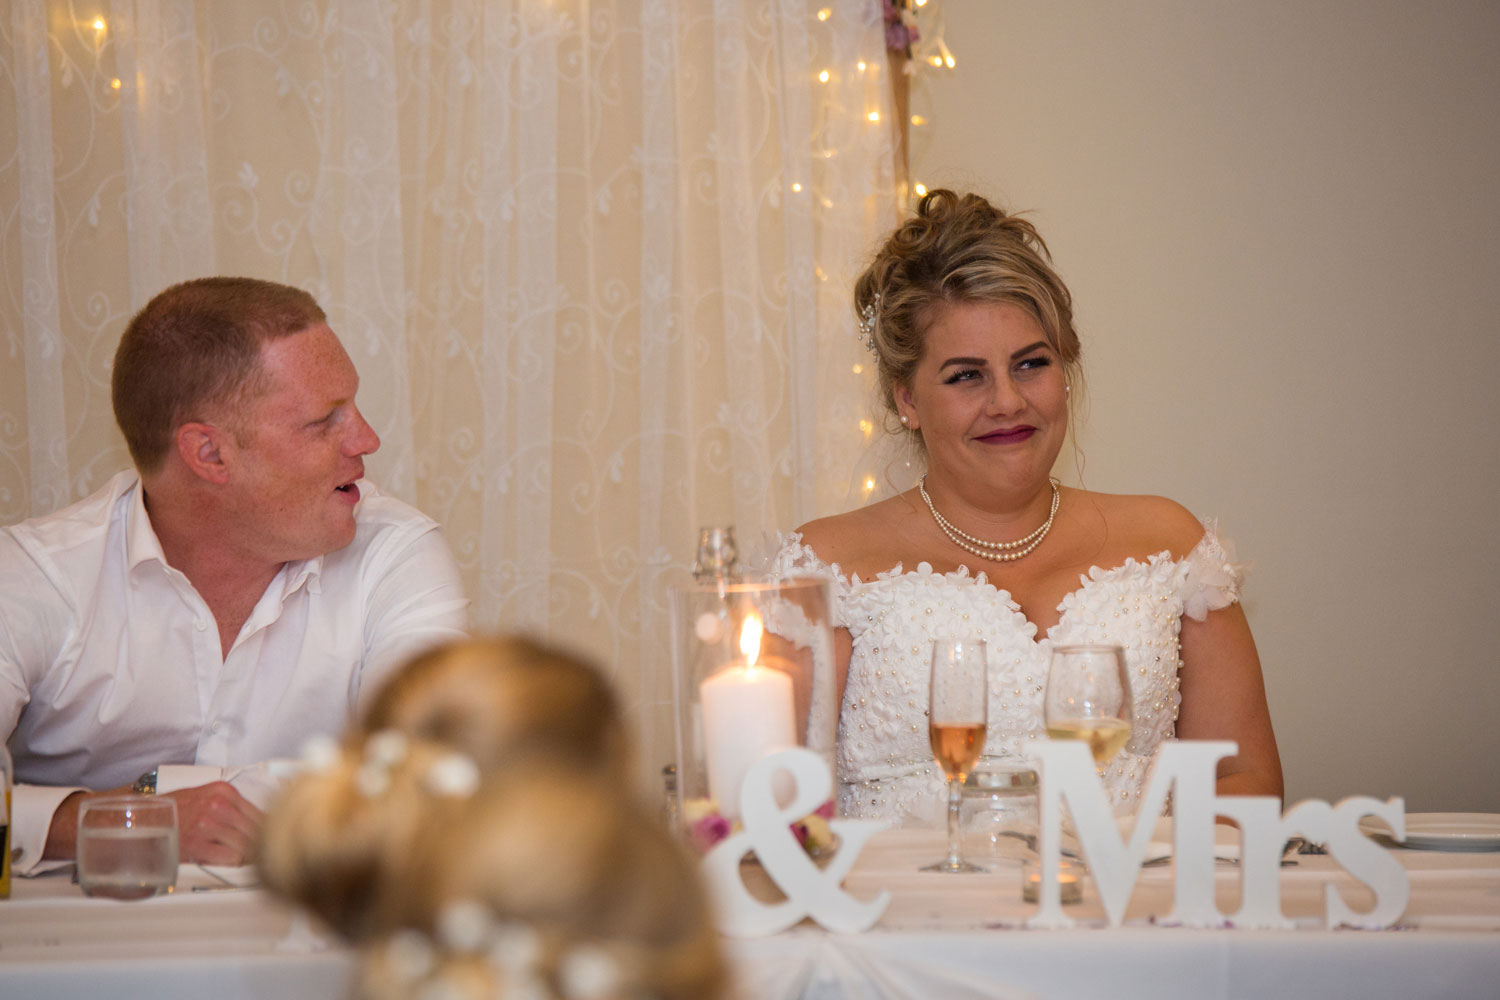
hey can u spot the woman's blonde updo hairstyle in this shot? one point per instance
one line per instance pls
(504, 700)
(958, 248)
(476, 836)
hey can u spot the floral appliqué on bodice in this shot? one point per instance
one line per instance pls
(885, 762)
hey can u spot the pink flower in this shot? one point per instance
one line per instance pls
(900, 26)
(825, 810)
(799, 830)
(708, 831)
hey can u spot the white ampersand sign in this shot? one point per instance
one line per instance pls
(810, 891)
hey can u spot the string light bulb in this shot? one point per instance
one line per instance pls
(99, 24)
(797, 187)
(823, 76)
(874, 116)
(825, 14)
(862, 65)
(918, 120)
(859, 369)
(920, 189)
(115, 84)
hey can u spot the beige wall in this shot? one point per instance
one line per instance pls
(1281, 225)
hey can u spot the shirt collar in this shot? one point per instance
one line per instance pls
(142, 546)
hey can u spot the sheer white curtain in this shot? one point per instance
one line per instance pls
(592, 260)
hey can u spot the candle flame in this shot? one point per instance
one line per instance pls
(750, 639)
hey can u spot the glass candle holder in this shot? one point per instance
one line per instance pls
(1070, 876)
(753, 673)
(1000, 809)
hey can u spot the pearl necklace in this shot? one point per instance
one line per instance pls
(997, 551)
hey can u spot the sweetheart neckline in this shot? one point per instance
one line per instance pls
(1037, 635)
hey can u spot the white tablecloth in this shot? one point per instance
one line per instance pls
(949, 937)
(235, 944)
(961, 937)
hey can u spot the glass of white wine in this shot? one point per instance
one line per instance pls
(1088, 698)
(957, 717)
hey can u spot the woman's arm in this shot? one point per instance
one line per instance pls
(1224, 698)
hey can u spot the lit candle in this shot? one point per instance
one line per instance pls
(1069, 881)
(747, 713)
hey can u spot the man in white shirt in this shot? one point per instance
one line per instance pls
(232, 597)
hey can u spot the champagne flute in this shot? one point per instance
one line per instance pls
(1088, 698)
(957, 717)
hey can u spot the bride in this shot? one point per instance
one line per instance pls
(977, 356)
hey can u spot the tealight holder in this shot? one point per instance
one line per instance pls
(1070, 875)
(753, 673)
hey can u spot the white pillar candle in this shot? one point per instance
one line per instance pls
(747, 713)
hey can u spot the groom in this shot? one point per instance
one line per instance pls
(230, 597)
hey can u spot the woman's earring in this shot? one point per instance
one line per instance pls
(1067, 387)
(905, 420)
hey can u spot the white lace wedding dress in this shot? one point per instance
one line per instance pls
(885, 764)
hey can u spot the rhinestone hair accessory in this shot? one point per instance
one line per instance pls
(513, 951)
(452, 775)
(867, 325)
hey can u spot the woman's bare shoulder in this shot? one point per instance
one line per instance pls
(1147, 524)
(859, 539)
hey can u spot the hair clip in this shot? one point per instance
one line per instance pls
(321, 753)
(589, 973)
(465, 925)
(513, 949)
(453, 776)
(409, 954)
(383, 751)
(867, 325)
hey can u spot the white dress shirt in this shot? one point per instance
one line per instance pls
(110, 663)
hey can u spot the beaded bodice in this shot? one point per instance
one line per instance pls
(885, 763)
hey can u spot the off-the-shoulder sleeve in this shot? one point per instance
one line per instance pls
(792, 558)
(1212, 579)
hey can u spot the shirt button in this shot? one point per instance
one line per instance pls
(200, 625)
(216, 728)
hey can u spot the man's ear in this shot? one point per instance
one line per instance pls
(205, 449)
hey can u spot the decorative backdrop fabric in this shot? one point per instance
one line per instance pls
(592, 260)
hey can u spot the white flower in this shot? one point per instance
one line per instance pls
(588, 973)
(372, 780)
(387, 748)
(409, 954)
(516, 949)
(454, 775)
(465, 925)
(321, 753)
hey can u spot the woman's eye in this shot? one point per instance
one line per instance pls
(1029, 364)
(962, 375)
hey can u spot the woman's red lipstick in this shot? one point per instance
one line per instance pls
(1014, 435)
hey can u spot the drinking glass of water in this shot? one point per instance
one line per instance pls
(127, 846)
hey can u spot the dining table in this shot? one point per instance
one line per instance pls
(941, 936)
